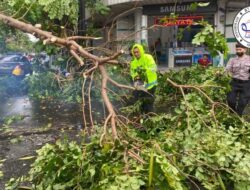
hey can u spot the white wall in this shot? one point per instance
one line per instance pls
(229, 30)
(125, 31)
(229, 22)
(125, 28)
(220, 16)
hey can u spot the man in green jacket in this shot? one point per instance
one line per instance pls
(143, 71)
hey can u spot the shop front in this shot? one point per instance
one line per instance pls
(175, 32)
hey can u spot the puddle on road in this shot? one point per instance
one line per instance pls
(40, 113)
(15, 106)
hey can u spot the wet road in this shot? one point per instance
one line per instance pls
(40, 113)
(62, 119)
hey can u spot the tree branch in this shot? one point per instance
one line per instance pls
(89, 97)
(77, 52)
(107, 101)
(74, 54)
(120, 85)
(83, 38)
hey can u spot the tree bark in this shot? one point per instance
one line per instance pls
(107, 101)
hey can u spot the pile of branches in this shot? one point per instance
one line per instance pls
(200, 144)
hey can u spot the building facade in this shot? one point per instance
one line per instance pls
(147, 21)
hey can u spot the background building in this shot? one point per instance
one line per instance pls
(132, 21)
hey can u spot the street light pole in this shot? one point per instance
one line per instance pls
(81, 18)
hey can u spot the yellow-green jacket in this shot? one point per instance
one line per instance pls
(144, 68)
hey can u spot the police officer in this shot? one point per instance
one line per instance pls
(239, 68)
(143, 72)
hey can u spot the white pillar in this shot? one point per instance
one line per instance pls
(219, 17)
(170, 58)
(219, 21)
(138, 25)
(144, 32)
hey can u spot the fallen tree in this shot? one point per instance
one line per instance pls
(199, 144)
(79, 53)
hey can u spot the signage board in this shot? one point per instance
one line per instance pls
(182, 60)
(241, 27)
(179, 21)
(179, 8)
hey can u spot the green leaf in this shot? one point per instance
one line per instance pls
(151, 169)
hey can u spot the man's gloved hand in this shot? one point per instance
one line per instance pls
(137, 78)
(138, 83)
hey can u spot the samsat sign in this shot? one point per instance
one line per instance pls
(179, 21)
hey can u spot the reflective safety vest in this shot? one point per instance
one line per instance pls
(144, 68)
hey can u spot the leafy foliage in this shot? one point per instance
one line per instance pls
(43, 85)
(215, 85)
(87, 166)
(200, 143)
(37, 11)
(97, 7)
(72, 91)
(57, 16)
(207, 141)
(214, 41)
(48, 85)
(91, 166)
(59, 9)
(19, 42)
(54, 15)
(10, 38)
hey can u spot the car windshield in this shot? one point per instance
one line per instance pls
(10, 58)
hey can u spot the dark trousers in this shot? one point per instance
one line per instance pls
(147, 99)
(239, 96)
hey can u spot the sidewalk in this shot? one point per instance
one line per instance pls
(162, 68)
(165, 68)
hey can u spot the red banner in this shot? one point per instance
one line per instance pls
(179, 21)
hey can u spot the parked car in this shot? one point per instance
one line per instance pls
(9, 62)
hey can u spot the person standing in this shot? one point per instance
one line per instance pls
(143, 71)
(157, 48)
(239, 68)
(204, 61)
